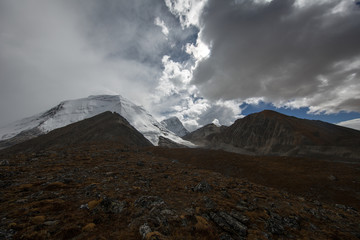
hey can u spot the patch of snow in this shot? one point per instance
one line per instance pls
(354, 123)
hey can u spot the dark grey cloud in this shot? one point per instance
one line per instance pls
(283, 52)
(56, 50)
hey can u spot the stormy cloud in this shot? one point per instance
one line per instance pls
(291, 53)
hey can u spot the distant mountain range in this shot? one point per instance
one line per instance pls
(72, 111)
(264, 133)
(272, 133)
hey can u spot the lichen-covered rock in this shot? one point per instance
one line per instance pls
(229, 223)
(144, 229)
(203, 186)
(112, 206)
(275, 224)
(239, 228)
(149, 202)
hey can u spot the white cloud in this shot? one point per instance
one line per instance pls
(199, 51)
(51, 51)
(216, 122)
(188, 11)
(161, 24)
(175, 77)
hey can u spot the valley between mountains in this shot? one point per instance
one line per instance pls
(104, 168)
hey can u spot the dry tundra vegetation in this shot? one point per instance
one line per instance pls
(111, 191)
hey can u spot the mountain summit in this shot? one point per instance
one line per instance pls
(72, 111)
(175, 125)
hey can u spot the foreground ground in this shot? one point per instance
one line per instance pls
(112, 192)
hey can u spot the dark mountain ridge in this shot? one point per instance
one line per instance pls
(272, 133)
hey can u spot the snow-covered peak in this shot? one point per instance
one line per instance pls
(175, 125)
(71, 111)
(354, 123)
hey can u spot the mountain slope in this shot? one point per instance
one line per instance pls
(71, 111)
(105, 127)
(175, 125)
(270, 132)
(203, 136)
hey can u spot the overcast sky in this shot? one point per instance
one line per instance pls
(202, 61)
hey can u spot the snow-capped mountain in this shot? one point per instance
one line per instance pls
(175, 125)
(71, 111)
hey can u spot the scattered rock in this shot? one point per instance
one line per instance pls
(112, 206)
(140, 163)
(242, 206)
(239, 228)
(209, 204)
(292, 221)
(332, 178)
(275, 224)
(229, 223)
(84, 206)
(4, 162)
(51, 223)
(21, 201)
(225, 236)
(203, 186)
(225, 194)
(149, 202)
(243, 219)
(144, 230)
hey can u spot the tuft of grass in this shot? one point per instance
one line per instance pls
(89, 227)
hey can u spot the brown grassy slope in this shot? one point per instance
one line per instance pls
(307, 177)
(97, 192)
